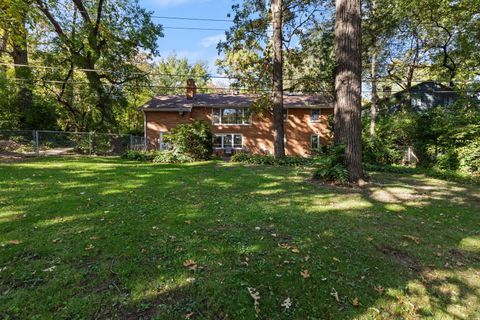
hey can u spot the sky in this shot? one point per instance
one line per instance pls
(193, 44)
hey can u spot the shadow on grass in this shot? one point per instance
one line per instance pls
(104, 238)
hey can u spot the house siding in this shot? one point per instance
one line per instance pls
(257, 137)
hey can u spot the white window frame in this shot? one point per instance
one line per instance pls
(215, 135)
(285, 114)
(161, 144)
(319, 144)
(231, 124)
(319, 115)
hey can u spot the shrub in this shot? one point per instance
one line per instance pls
(430, 172)
(140, 155)
(469, 157)
(270, 160)
(171, 157)
(330, 167)
(194, 140)
(377, 150)
(447, 160)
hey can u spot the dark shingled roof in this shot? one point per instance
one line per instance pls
(180, 102)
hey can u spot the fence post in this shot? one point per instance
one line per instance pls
(131, 143)
(90, 143)
(37, 144)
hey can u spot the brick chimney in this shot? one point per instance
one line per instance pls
(191, 89)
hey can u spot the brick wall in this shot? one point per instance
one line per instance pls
(257, 137)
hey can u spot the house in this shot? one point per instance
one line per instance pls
(234, 126)
(424, 96)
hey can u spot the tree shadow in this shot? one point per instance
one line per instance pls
(103, 238)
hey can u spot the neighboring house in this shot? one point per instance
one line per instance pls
(424, 96)
(233, 125)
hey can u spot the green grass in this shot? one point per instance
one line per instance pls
(103, 238)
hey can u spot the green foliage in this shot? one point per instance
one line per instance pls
(260, 159)
(194, 140)
(449, 175)
(140, 155)
(173, 65)
(156, 156)
(330, 167)
(171, 157)
(469, 157)
(377, 150)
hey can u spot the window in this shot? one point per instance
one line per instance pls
(224, 141)
(230, 116)
(416, 101)
(285, 114)
(315, 142)
(315, 115)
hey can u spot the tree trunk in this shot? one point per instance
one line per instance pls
(348, 85)
(19, 54)
(374, 98)
(279, 132)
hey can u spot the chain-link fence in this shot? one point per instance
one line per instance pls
(45, 143)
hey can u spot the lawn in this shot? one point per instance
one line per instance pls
(103, 238)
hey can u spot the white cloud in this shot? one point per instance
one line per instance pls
(208, 42)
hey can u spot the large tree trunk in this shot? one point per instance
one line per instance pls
(279, 134)
(374, 98)
(19, 54)
(347, 128)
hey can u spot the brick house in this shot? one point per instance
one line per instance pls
(234, 127)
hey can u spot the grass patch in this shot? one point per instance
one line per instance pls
(448, 175)
(106, 238)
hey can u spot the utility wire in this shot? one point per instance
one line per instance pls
(192, 19)
(226, 88)
(211, 76)
(194, 28)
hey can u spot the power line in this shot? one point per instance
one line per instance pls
(192, 19)
(226, 88)
(194, 28)
(173, 75)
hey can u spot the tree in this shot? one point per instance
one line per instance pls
(109, 38)
(347, 128)
(277, 17)
(254, 58)
(14, 42)
(169, 75)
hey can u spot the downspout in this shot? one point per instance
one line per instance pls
(145, 129)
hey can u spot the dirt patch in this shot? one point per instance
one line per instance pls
(403, 257)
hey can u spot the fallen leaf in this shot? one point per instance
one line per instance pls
(93, 238)
(189, 315)
(15, 242)
(412, 238)
(287, 303)
(190, 264)
(305, 274)
(379, 289)
(295, 250)
(49, 269)
(90, 247)
(256, 298)
(334, 294)
(336, 259)
(369, 238)
(355, 302)
(188, 222)
(306, 258)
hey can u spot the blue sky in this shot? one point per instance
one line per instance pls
(192, 44)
